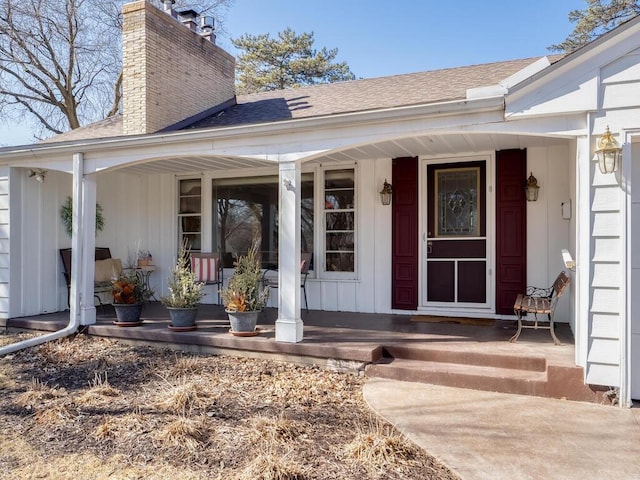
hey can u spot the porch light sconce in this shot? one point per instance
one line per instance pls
(288, 184)
(38, 173)
(531, 190)
(386, 193)
(608, 153)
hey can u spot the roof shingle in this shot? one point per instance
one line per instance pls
(336, 98)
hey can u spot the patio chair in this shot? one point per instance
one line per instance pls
(207, 268)
(540, 301)
(305, 264)
(103, 271)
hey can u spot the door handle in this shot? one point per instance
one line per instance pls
(429, 246)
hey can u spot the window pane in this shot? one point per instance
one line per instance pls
(338, 200)
(457, 194)
(339, 179)
(340, 241)
(340, 220)
(193, 240)
(190, 187)
(340, 215)
(189, 205)
(245, 208)
(190, 224)
(340, 262)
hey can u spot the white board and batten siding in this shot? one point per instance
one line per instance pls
(139, 213)
(547, 230)
(369, 290)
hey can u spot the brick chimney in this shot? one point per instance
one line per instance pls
(169, 71)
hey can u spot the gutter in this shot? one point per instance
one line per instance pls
(453, 107)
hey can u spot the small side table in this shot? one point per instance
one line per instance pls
(144, 272)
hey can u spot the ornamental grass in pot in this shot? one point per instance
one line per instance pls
(245, 297)
(185, 293)
(129, 295)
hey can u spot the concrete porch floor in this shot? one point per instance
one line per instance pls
(387, 346)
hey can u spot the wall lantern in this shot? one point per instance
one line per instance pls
(531, 190)
(608, 153)
(386, 192)
(38, 173)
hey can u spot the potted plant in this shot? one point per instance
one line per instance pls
(185, 294)
(129, 294)
(245, 296)
(144, 258)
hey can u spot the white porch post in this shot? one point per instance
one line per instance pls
(289, 327)
(76, 237)
(83, 243)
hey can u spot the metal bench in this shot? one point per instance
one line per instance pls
(540, 301)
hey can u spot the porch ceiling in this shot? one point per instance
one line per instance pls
(421, 145)
(441, 145)
(190, 163)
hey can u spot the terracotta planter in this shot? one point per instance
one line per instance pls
(128, 313)
(243, 322)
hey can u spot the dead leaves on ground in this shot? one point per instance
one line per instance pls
(147, 411)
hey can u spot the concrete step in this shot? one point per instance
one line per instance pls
(467, 357)
(478, 377)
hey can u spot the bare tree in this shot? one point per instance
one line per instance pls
(60, 62)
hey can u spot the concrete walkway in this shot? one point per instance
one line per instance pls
(484, 435)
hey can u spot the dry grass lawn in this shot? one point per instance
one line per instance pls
(91, 408)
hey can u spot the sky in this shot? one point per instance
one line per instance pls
(380, 38)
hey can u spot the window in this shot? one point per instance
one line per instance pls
(339, 220)
(457, 191)
(247, 207)
(190, 213)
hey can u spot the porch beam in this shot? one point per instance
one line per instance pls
(289, 326)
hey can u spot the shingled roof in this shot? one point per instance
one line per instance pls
(362, 95)
(336, 98)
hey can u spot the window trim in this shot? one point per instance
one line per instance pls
(179, 216)
(321, 238)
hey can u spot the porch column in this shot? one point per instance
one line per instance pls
(83, 243)
(289, 327)
(76, 237)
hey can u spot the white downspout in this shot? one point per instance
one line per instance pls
(76, 268)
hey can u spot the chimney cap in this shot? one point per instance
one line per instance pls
(188, 14)
(206, 22)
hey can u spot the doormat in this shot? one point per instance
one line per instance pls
(482, 322)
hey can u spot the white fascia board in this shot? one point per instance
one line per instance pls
(26, 155)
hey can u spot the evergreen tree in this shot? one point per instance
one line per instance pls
(287, 61)
(599, 17)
